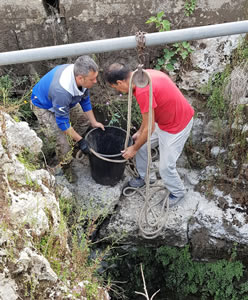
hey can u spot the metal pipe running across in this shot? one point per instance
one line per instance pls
(115, 44)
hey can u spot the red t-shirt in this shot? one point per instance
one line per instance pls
(172, 111)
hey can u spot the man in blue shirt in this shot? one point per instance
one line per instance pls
(58, 99)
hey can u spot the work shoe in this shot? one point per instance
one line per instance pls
(139, 182)
(136, 182)
(173, 200)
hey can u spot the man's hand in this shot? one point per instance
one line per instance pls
(93, 120)
(98, 125)
(84, 147)
(129, 152)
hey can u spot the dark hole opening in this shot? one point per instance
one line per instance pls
(51, 6)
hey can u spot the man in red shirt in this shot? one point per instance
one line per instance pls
(172, 121)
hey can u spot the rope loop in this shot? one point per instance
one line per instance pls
(80, 156)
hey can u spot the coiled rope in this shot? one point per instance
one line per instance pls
(80, 156)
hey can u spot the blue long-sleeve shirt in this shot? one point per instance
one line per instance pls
(57, 91)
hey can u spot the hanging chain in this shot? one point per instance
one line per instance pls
(141, 41)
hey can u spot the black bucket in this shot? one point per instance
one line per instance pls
(108, 144)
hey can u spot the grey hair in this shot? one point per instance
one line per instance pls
(83, 65)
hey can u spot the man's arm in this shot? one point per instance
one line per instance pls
(93, 120)
(87, 108)
(73, 134)
(142, 137)
(64, 125)
(138, 133)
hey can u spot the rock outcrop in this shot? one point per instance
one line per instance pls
(209, 57)
(29, 212)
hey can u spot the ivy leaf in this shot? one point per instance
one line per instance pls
(185, 45)
(151, 20)
(160, 62)
(160, 15)
(170, 67)
(158, 67)
(168, 55)
(184, 54)
(176, 45)
(166, 25)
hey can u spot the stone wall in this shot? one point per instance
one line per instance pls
(32, 23)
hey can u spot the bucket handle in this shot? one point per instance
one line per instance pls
(80, 156)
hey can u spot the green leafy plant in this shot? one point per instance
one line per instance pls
(31, 284)
(115, 112)
(215, 89)
(160, 23)
(29, 160)
(220, 280)
(178, 276)
(10, 87)
(222, 93)
(240, 54)
(189, 7)
(171, 55)
(6, 87)
(115, 119)
(32, 184)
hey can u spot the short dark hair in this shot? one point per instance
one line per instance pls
(116, 72)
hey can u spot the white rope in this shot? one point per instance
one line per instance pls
(80, 156)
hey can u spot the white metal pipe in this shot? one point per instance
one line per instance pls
(129, 42)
